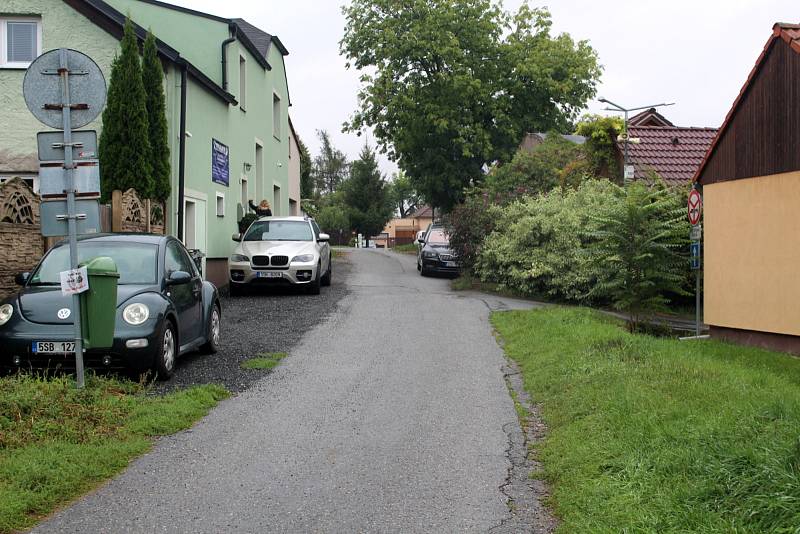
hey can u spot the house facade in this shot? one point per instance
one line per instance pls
(750, 181)
(227, 100)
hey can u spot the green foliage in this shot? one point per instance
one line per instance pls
(246, 220)
(639, 241)
(366, 195)
(659, 435)
(538, 245)
(124, 148)
(265, 361)
(601, 134)
(334, 219)
(404, 198)
(469, 223)
(153, 81)
(306, 166)
(536, 171)
(58, 442)
(452, 86)
(331, 168)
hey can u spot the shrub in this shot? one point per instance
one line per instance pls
(469, 224)
(537, 246)
(246, 221)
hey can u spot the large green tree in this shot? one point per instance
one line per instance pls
(125, 155)
(306, 181)
(404, 198)
(153, 80)
(366, 195)
(331, 167)
(450, 86)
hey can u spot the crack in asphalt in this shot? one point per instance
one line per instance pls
(525, 494)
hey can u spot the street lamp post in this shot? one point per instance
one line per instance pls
(617, 107)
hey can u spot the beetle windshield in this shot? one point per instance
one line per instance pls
(136, 262)
(279, 231)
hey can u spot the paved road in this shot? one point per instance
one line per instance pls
(391, 416)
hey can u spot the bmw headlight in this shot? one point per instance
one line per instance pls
(239, 258)
(6, 311)
(429, 254)
(136, 313)
(303, 258)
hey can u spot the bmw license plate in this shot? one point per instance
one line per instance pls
(53, 347)
(269, 274)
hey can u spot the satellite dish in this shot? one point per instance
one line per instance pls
(42, 88)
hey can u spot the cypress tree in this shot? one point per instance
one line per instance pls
(152, 77)
(124, 149)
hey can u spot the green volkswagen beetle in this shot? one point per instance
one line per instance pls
(164, 309)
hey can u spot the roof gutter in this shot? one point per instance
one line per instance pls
(225, 43)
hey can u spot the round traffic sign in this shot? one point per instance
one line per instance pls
(695, 207)
(43, 93)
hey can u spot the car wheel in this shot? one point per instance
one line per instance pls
(326, 280)
(313, 287)
(423, 271)
(167, 352)
(212, 342)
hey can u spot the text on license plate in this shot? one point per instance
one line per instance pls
(53, 347)
(269, 274)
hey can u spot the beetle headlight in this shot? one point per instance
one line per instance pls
(239, 258)
(136, 313)
(6, 311)
(303, 258)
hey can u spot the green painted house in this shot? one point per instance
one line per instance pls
(227, 100)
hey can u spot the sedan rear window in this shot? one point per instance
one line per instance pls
(279, 231)
(136, 262)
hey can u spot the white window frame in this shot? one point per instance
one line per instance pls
(276, 119)
(218, 204)
(4, 20)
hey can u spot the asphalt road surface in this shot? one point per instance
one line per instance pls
(392, 415)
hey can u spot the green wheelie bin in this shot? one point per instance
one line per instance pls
(99, 303)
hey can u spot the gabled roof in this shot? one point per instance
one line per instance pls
(649, 117)
(261, 39)
(423, 212)
(674, 153)
(790, 34)
(111, 20)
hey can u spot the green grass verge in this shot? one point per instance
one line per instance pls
(410, 248)
(57, 442)
(657, 435)
(267, 360)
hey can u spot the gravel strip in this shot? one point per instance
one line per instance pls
(268, 320)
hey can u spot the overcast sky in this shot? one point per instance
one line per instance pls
(696, 53)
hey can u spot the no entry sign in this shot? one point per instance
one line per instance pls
(695, 207)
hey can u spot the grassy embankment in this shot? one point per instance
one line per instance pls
(657, 435)
(410, 248)
(57, 443)
(266, 360)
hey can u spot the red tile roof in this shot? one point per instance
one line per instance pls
(423, 212)
(790, 34)
(674, 153)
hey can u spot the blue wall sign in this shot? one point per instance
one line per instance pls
(220, 163)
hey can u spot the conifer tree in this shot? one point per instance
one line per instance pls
(366, 195)
(152, 77)
(124, 149)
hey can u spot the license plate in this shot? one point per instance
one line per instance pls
(269, 274)
(451, 264)
(53, 347)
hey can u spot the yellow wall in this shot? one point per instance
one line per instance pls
(752, 253)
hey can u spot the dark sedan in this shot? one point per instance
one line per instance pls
(164, 309)
(435, 254)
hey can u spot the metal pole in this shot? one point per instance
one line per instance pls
(71, 215)
(697, 301)
(625, 157)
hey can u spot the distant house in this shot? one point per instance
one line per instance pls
(657, 146)
(400, 231)
(750, 180)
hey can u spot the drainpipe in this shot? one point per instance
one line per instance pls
(225, 43)
(182, 152)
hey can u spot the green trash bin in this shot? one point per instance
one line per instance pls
(99, 303)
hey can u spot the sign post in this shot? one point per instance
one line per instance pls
(695, 212)
(52, 84)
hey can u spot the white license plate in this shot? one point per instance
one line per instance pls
(269, 274)
(450, 264)
(53, 347)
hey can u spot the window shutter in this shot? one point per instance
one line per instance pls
(21, 42)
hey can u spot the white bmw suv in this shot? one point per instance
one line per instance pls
(281, 250)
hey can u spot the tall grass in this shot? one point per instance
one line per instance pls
(57, 442)
(657, 435)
